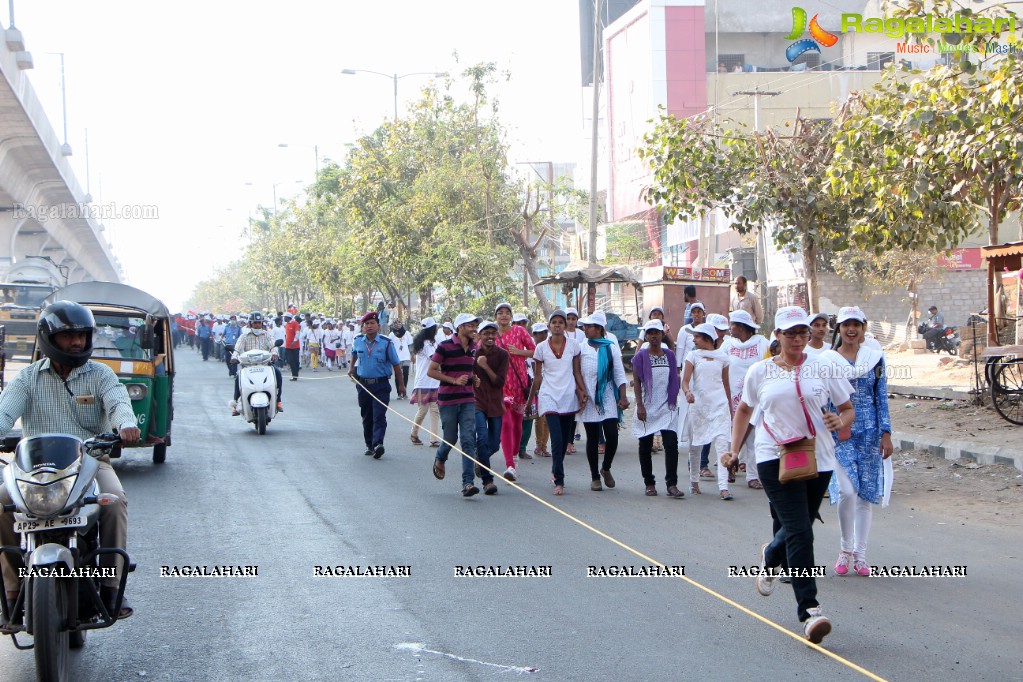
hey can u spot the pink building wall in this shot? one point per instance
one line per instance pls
(655, 57)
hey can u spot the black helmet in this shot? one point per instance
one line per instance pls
(255, 316)
(65, 316)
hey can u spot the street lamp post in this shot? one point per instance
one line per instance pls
(394, 77)
(316, 155)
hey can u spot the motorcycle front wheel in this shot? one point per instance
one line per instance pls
(51, 642)
(261, 420)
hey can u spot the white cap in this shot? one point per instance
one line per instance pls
(699, 305)
(656, 307)
(597, 318)
(465, 318)
(539, 328)
(486, 325)
(851, 313)
(822, 316)
(429, 323)
(503, 304)
(447, 325)
(743, 317)
(656, 325)
(519, 317)
(705, 328)
(789, 317)
(718, 321)
(557, 313)
(571, 311)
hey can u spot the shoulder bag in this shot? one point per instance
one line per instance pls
(797, 458)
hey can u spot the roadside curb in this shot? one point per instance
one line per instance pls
(944, 393)
(957, 449)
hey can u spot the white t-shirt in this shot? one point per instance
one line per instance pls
(579, 335)
(772, 388)
(743, 355)
(557, 392)
(423, 366)
(589, 361)
(403, 346)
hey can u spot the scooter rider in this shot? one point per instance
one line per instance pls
(66, 392)
(935, 326)
(256, 339)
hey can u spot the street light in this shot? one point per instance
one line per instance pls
(65, 149)
(316, 155)
(274, 186)
(395, 78)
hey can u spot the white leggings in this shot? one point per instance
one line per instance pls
(720, 445)
(854, 516)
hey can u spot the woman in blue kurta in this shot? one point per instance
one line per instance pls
(864, 473)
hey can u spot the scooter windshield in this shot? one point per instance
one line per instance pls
(55, 450)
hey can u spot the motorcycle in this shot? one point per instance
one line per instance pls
(56, 505)
(257, 383)
(947, 341)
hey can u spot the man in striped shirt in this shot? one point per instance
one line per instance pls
(452, 365)
(66, 392)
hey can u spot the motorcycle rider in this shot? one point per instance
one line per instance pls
(935, 327)
(256, 339)
(231, 333)
(66, 392)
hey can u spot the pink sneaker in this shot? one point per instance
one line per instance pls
(862, 568)
(842, 565)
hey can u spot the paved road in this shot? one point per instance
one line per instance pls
(304, 495)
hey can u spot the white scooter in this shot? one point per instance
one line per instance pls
(258, 385)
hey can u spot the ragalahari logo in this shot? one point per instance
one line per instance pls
(799, 27)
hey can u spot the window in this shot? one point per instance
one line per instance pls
(876, 61)
(811, 59)
(727, 63)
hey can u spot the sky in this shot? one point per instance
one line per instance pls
(186, 103)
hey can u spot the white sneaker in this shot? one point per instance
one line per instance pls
(510, 474)
(817, 626)
(765, 578)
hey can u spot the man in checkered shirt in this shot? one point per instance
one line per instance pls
(66, 392)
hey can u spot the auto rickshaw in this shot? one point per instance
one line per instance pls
(133, 338)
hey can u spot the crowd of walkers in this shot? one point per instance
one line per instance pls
(718, 386)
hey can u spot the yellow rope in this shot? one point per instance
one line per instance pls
(780, 628)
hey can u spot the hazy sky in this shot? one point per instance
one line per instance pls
(186, 102)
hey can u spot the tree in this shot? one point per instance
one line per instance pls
(760, 179)
(935, 150)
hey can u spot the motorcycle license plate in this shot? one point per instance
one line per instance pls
(24, 524)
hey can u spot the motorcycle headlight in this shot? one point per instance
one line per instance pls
(46, 499)
(137, 391)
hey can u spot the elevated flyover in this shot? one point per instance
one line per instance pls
(43, 210)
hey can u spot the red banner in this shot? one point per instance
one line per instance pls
(961, 259)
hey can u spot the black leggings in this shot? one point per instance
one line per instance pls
(593, 430)
(646, 465)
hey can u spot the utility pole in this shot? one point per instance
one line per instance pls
(591, 289)
(756, 94)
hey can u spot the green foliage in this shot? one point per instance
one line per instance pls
(419, 202)
(628, 244)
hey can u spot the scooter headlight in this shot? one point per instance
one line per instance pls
(46, 499)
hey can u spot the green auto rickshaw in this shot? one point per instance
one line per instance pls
(133, 338)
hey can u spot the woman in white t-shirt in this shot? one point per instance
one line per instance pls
(657, 402)
(558, 386)
(792, 392)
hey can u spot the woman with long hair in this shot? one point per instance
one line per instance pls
(862, 478)
(425, 392)
(519, 345)
(792, 393)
